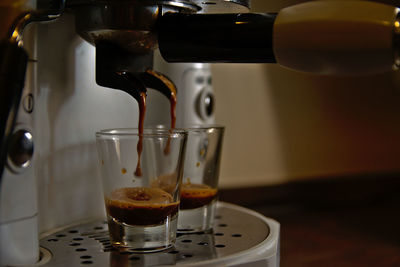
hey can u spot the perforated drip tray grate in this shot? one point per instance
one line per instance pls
(235, 230)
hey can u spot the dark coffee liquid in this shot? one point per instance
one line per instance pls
(141, 206)
(196, 195)
(172, 101)
(142, 110)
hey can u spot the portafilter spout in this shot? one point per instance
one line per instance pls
(124, 34)
(118, 69)
(130, 72)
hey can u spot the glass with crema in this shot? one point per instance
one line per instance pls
(141, 176)
(199, 192)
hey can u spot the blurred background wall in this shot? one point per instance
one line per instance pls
(283, 125)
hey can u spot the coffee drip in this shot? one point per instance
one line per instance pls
(163, 84)
(138, 90)
(144, 206)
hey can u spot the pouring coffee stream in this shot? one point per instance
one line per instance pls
(163, 84)
(142, 112)
(131, 72)
(136, 86)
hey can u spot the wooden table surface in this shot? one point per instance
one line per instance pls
(345, 221)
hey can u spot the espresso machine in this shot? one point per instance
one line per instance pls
(61, 60)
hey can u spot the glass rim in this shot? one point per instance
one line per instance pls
(202, 127)
(191, 127)
(147, 132)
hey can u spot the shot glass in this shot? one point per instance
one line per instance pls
(141, 176)
(199, 190)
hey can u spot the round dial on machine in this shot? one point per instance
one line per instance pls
(196, 100)
(205, 102)
(20, 151)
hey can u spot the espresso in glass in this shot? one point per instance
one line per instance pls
(142, 216)
(199, 191)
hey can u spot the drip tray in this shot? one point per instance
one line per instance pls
(240, 236)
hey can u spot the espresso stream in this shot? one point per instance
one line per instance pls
(142, 111)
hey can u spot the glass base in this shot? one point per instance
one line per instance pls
(197, 220)
(143, 239)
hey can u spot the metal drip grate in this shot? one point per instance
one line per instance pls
(89, 244)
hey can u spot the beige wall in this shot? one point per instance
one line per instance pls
(282, 125)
